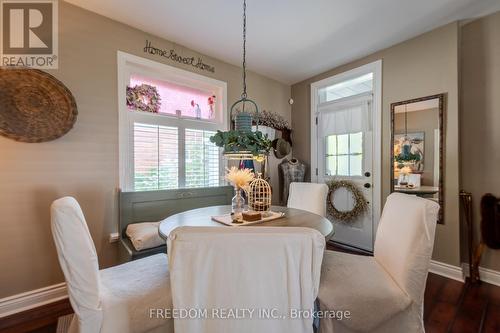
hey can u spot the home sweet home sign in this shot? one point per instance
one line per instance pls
(172, 55)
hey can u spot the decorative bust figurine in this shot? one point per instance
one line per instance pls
(290, 171)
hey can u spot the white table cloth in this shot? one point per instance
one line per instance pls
(263, 275)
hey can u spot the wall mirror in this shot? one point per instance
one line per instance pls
(417, 148)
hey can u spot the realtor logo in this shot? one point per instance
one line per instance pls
(29, 36)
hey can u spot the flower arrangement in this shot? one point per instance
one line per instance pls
(239, 178)
(211, 104)
(143, 97)
(197, 109)
(268, 118)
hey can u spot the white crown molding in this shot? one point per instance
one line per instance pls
(32, 299)
(446, 270)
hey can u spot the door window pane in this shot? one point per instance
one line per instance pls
(331, 165)
(343, 165)
(356, 143)
(355, 165)
(343, 144)
(344, 154)
(352, 87)
(331, 145)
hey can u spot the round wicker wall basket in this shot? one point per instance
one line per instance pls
(34, 106)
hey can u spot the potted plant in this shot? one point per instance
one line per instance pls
(235, 141)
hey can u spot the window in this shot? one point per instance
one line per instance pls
(179, 100)
(202, 159)
(344, 154)
(356, 86)
(169, 149)
(156, 157)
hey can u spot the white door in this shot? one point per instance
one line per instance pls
(345, 152)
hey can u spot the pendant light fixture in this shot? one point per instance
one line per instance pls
(406, 157)
(242, 143)
(242, 122)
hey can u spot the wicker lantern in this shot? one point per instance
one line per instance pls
(259, 195)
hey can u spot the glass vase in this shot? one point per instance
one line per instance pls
(238, 202)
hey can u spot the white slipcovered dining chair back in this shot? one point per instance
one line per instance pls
(79, 263)
(405, 239)
(274, 269)
(308, 196)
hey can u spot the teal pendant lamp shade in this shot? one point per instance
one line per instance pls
(243, 122)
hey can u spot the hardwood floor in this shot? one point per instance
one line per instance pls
(39, 320)
(449, 307)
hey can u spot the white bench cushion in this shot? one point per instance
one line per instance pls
(144, 235)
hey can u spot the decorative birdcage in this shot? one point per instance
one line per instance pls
(259, 195)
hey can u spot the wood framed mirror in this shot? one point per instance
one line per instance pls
(417, 148)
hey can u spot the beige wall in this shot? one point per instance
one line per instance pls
(480, 117)
(422, 66)
(84, 163)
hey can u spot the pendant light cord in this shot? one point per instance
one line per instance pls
(244, 94)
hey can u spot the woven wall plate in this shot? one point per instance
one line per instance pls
(34, 106)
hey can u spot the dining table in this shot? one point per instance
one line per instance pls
(203, 217)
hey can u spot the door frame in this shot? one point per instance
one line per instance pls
(375, 68)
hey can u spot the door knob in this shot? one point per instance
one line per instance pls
(367, 185)
(367, 174)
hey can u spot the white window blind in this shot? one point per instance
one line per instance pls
(156, 158)
(156, 161)
(202, 159)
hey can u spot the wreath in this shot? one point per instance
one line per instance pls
(143, 97)
(360, 203)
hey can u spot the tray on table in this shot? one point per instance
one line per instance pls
(227, 219)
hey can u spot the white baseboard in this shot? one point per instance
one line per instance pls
(447, 270)
(487, 275)
(460, 273)
(32, 299)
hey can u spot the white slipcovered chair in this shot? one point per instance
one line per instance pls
(116, 299)
(383, 293)
(308, 196)
(274, 269)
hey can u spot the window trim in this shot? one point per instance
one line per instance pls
(376, 68)
(128, 64)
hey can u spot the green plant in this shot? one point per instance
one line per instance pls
(406, 155)
(238, 141)
(410, 157)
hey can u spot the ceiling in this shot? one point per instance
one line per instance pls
(289, 40)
